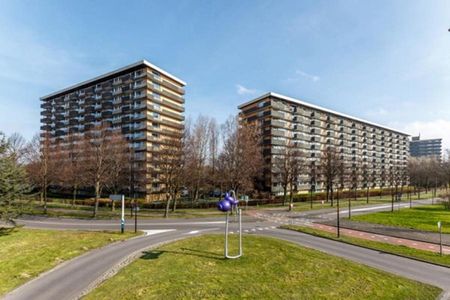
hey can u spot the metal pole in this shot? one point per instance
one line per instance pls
(337, 212)
(349, 208)
(135, 217)
(440, 239)
(122, 219)
(226, 235)
(240, 232)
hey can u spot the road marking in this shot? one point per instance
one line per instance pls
(193, 232)
(156, 231)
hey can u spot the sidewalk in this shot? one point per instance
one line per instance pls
(392, 231)
(383, 238)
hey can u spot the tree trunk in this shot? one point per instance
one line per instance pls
(97, 197)
(45, 199)
(74, 195)
(284, 194)
(174, 205)
(367, 195)
(290, 199)
(331, 195)
(166, 211)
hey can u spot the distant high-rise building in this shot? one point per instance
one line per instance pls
(428, 147)
(310, 128)
(141, 100)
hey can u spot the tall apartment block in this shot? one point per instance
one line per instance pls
(145, 102)
(287, 121)
(428, 147)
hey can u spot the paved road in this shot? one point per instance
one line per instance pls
(72, 278)
(423, 272)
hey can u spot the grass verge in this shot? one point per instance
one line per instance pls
(385, 247)
(25, 253)
(421, 218)
(270, 269)
(65, 210)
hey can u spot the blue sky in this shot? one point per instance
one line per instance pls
(385, 61)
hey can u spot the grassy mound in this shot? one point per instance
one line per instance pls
(421, 218)
(25, 253)
(270, 269)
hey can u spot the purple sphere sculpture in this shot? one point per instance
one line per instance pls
(224, 205)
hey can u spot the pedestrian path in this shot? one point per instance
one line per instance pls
(293, 218)
(384, 238)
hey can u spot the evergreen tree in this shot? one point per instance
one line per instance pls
(13, 184)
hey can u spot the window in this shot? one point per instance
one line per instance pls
(155, 115)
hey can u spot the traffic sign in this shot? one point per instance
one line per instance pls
(115, 197)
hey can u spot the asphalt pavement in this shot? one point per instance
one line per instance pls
(74, 278)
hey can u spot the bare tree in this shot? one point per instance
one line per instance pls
(100, 149)
(241, 159)
(42, 168)
(17, 146)
(287, 167)
(71, 166)
(330, 163)
(170, 162)
(214, 135)
(196, 155)
(119, 166)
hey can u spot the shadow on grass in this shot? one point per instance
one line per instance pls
(155, 254)
(6, 230)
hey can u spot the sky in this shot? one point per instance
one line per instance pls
(384, 61)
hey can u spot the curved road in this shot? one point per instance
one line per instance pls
(72, 279)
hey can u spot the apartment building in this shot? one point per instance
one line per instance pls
(142, 100)
(425, 148)
(285, 121)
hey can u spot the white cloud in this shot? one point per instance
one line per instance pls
(306, 75)
(302, 75)
(242, 90)
(430, 129)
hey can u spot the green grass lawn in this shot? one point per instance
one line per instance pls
(270, 269)
(65, 210)
(421, 217)
(394, 249)
(25, 253)
(385, 199)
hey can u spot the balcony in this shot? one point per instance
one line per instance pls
(139, 74)
(172, 96)
(172, 87)
(139, 95)
(139, 85)
(117, 91)
(278, 132)
(173, 115)
(117, 81)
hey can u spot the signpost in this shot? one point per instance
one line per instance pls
(135, 210)
(440, 236)
(122, 218)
